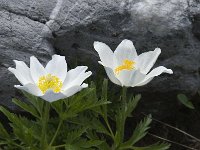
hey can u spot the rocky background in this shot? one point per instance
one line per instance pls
(69, 27)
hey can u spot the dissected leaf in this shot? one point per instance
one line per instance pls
(26, 107)
(3, 133)
(139, 132)
(132, 103)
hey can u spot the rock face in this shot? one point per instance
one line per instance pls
(69, 27)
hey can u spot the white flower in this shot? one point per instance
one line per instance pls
(52, 82)
(125, 68)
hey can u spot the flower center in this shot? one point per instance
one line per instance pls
(49, 81)
(126, 65)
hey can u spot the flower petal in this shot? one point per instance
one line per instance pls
(130, 78)
(74, 89)
(57, 66)
(111, 76)
(155, 72)
(125, 50)
(145, 61)
(50, 96)
(105, 53)
(36, 69)
(22, 72)
(30, 88)
(76, 77)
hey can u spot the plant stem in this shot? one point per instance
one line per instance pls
(109, 128)
(17, 145)
(44, 120)
(56, 133)
(59, 146)
(124, 106)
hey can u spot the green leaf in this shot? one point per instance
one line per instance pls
(26, 107)
(104, 97)
(58, 106)
(11, 116)
(157, 146)
(139, 132)
(35, 101)
(85, 100)
(92, 123)
(88, 143)
(75, 134)
(119, 122)
(131, 105)
(185, 101)
(3, 133)
(23, 128)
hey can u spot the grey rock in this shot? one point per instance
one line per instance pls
(172, 25)
(69, 27)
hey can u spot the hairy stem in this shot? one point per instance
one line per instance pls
(56, 133)
(124, 105)
(44, 120)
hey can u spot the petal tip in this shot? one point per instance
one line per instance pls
(100, 62)
(84, 85)
(89, 73)
(16, 86)
(170, 71)
(97, 43)
(16, 61)
(158, 50)
(126, 40)
(11, 69)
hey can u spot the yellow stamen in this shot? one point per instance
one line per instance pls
(49, 82)
(126, 65)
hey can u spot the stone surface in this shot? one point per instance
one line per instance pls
(172, 26)
(69, 27)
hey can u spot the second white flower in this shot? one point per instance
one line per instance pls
(125, 68)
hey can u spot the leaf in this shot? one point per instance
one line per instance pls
(22, 127)
(119, 122)
(104, 95)
(132, 103)
(89, 143)
(157, 146)
(85, 100)
(3, 133)
(75, 134)
(35, 101)
(26, 107)
(139, 132)
(93, 123)
(11, 116)
(185, 101)
(58, 106)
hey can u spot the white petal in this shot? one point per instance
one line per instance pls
(130, 78)
(50, 96)
(155, 72)
(105, 53)
(36, 69)
(111, 76)
(146, 60)
(125, 50)
(57, 66)
(73, 90)
(30, 88)
(76, 77)
(22, 72)
(73, 74)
